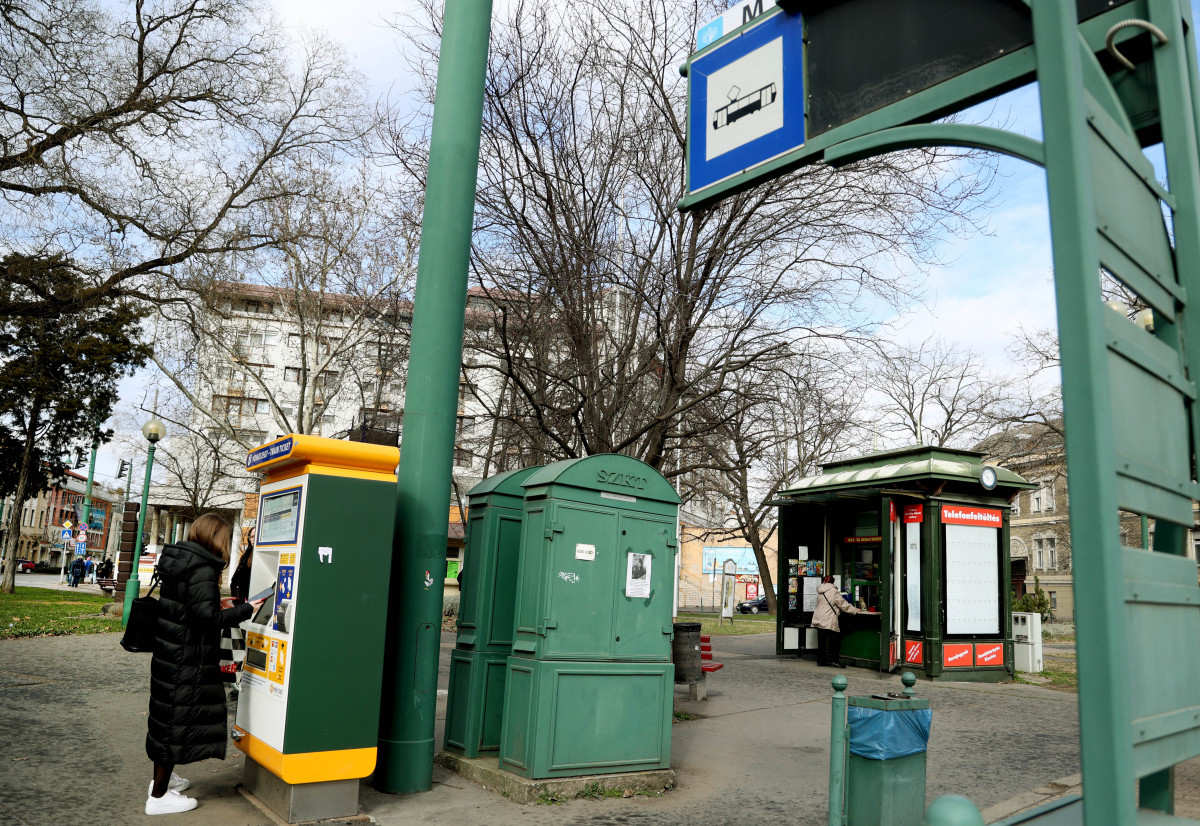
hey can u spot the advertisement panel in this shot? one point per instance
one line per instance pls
(914, 652)
(956, 655)
(989, 653)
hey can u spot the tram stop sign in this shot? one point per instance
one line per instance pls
(794, 79)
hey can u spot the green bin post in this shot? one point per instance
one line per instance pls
(475, 701)
(886, 792)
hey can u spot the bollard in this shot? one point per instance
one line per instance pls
(837, 753)
(952, 810)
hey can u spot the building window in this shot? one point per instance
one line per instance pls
(466, 425)
(1046, 553)
(236, 409)
(1053, 600)
(465, 388)
(1042, 499)
(1015, 507)
(291, 374)
(462, 457)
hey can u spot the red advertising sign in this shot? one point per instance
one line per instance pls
(914, 513)
(989, 653)
(892, 510)
(970, 515)
(913, 652)
(956, 655)
(751, 591)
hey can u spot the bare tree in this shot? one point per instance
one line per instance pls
(611, 315)
(784, 424)
(315, 324)
(935, 394)
(138, 137)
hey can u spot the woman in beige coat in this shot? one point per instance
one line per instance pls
(829, 634)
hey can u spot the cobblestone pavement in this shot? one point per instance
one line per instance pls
(73, 725)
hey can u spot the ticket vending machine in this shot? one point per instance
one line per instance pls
(308, 709)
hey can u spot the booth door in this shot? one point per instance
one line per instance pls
(889, 602)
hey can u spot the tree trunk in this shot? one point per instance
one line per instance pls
(14, 518)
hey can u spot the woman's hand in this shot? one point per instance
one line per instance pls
(258, 604)
(228, 602)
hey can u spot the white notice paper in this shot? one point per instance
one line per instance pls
(587, 552)
(637, 578)
(811, 583)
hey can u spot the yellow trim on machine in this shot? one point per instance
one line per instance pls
(309, 767)
(296, 453)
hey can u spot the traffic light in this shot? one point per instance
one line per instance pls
(123, 469)
(80, 458)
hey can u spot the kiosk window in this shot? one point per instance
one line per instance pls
(972, 580)
(279, 516)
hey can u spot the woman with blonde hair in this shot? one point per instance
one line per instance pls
(187, 695)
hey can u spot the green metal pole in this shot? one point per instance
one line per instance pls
(1107, 751)
(406, 724)
(133, 585)
(837, 754)
(87, 497)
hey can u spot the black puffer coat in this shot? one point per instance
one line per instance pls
(187, 695)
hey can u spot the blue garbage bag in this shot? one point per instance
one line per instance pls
(886, 735)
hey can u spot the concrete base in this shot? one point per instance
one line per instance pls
(303, 801)
(487, 773)
(698, 691)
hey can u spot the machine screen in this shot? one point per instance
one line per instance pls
(279, 517)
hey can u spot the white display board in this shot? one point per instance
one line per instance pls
(912, 569)
(972, 580)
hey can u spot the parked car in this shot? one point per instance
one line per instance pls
(25, 566)
(753, 606)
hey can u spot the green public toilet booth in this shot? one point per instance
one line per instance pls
(475, 703)
(918, 540)
(590, 684)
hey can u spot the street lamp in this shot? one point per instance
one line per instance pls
(154, 431)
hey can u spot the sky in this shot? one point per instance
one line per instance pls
(989, 286)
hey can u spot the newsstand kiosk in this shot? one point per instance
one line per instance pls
(918, 540)
(308, 709)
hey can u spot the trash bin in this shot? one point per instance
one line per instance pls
(685, 652)
(885, 768)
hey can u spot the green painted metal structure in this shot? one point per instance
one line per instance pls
(590, 686)
(407, 719)
(133, 584)
(475, 701)
(1132, 427)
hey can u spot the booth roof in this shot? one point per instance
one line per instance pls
(913, 464)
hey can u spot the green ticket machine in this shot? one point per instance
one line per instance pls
(475, 702)
(308, 709)
(590, 684)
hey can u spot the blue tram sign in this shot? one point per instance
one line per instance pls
(746, 99)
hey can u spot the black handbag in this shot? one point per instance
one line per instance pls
(142, 627)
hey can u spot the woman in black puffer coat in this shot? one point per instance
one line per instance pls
(187, 695)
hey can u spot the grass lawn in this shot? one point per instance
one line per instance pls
(742, 624)
(40, 612)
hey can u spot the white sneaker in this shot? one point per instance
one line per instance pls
(175, 784)
(169, 804)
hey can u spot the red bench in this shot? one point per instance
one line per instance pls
(698, 691)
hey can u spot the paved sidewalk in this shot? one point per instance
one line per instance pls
(73, 726)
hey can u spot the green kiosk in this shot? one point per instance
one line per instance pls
(917, 538)
(308, 710)
(475, 701)
(590, 684)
